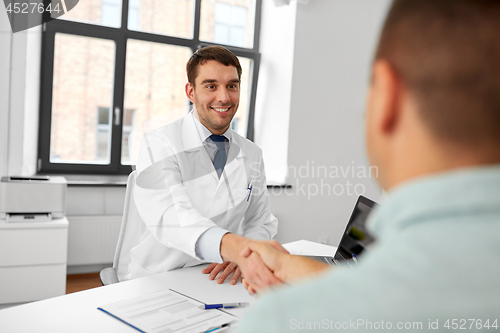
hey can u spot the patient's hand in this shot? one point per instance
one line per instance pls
(248, 287)
(225, 269)
(284, 266)
(252, 267)
(272, 257)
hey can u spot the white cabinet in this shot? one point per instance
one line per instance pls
(32, 260)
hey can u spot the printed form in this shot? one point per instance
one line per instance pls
(168, 311)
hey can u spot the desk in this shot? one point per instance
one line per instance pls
(78, 312)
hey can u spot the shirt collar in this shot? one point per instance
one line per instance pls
(460, 192)
(205, 132)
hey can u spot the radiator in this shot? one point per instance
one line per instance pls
(92, 239)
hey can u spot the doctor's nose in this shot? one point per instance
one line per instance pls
(223, 95)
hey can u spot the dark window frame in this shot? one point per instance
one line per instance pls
(120, 36)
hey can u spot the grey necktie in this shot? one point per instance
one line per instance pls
(221, 154)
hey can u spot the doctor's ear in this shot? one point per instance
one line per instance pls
(190, 92)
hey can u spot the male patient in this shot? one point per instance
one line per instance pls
(200, 185)
(433, 130)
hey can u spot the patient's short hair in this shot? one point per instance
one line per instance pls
(447, 53)
(217, 53)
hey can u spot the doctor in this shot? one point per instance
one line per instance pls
(201, 187)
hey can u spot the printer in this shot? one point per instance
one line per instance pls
(33, 238)
(33, 199)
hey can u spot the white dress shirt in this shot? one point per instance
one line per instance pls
(208, 245)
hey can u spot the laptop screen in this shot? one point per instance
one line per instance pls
(356, 237)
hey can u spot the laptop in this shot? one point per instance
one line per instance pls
(356, 237)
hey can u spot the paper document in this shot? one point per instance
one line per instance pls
(168, 311)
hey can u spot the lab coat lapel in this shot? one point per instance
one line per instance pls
(235, 161)
(233, 179)
(192, 144)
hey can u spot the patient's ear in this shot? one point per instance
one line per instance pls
(386, 93)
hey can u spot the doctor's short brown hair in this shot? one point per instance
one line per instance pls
(447, 54)
(217, 53)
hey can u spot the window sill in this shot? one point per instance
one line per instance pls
(94, 180)
(113, 180)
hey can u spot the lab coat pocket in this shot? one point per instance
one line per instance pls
(237, 214)
(241, 197)
(232, 204)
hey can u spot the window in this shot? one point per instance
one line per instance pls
(128, 125)
(102, 136)
(235, 124)
(111, 13)
(230, 24)
(109, 67)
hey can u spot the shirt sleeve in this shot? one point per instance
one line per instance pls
(208, 245)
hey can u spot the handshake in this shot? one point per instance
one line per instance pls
(261, 264)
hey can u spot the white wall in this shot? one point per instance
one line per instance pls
(19, 98)
(5, 48)
(274, 90)
(334, 44)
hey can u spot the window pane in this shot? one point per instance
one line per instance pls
(82, 99)
(229, 22)
(240, 120)
(155, 77)
(103, 12)
(128, 123)
(163, 17)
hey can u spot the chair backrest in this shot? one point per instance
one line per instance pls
(131, 230)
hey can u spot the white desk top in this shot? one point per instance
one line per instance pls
(78, 312)
(308, 248)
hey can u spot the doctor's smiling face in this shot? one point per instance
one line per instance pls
(215, 94)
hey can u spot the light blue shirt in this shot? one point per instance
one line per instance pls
(437, 258)
(208, 245)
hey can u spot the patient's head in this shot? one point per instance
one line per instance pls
(441, 59)
(447, 53)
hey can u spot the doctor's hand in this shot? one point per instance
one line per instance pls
(252, 267)
(226, 268)
(284, 266)
(271, 257)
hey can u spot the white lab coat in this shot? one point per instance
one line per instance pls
(179, 196)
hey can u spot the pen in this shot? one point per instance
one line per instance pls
(211, 329)
(249, 191)
(354, 259)
(225, 305)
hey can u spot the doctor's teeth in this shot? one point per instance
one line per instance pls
(221, 109)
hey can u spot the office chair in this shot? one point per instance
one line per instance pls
(131, 229)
